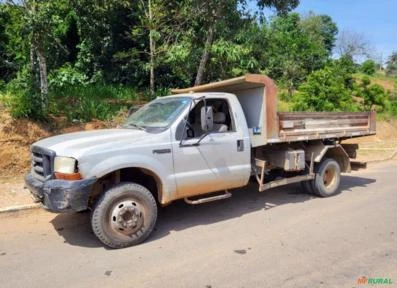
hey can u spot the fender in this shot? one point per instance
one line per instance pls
(335, 151)
(115, 163)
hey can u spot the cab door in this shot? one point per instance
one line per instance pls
(220, 161)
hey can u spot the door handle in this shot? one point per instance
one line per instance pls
(161, 151)
(240, 145)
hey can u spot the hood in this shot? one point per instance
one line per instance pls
(80, 143)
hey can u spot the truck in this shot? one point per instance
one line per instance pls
(197, 145)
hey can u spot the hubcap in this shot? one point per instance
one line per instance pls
(126, 217)
(329, 177)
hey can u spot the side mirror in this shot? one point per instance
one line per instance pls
(207, 118)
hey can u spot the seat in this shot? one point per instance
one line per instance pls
(220, 122)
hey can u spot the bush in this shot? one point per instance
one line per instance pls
(25, 102)
(327, 89)
(393, 108)
(66, 76)
(84, 103)
(373, 95)
(368, 67)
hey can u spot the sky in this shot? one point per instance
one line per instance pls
(376, 19)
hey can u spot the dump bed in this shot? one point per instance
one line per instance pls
(257, 95)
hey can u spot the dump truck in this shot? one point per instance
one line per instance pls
(197, 145)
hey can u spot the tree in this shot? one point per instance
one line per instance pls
(293, 53)
(372, 95)
(5, 70)
(353, 44)
(320, 28)
(39, 20)
(102, 27)
(368, 67)
(162, 22)
(391, 64)
(282, 6)
(212, 13)
(327, 89)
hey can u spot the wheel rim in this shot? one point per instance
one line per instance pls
(329, 177)
(126, 217)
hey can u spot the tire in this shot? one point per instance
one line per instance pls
(327, 178)
(124, 215)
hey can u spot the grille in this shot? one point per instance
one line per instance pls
(42, 163)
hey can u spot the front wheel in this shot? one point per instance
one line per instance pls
(327, 179)
(125, 215)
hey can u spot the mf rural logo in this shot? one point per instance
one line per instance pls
(374, 281)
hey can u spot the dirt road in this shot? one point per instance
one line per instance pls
(279, 238)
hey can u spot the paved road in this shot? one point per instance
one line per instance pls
(279, 238)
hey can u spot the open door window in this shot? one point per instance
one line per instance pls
(222, 120)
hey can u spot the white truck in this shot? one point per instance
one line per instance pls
(195, 145)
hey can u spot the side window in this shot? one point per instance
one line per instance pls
(223, 121)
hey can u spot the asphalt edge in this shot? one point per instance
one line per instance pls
(17, 208)
(383, 160)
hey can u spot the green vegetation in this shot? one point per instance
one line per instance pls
(372, 95)
(87, 59)
(327, 89)
(368, 67)
(337, 87)
(384, 93)
(391, 68)
(89, 102)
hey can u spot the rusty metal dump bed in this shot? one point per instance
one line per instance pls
(324, 125)
(257, 95)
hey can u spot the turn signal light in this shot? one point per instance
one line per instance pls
(68, 176)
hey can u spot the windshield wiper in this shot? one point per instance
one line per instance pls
(136, 126)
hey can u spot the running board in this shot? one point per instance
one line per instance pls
(227, 194)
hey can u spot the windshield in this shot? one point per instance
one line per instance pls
(159, 113)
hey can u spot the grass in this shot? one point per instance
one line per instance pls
(389, 83)
(102, 102)
(75, 103)
(5, 98)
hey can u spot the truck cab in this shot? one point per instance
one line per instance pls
(174, 147)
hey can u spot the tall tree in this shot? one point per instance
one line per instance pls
(282, 6)
(212, 11)
(391, 64)
(39, 20)
(5, 69)
(162, 22)
(353, 44)
(293, 53)
(320, 28)
(215, 11)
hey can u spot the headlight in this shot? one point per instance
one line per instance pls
(66, 165)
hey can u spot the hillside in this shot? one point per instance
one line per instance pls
(387, 82)
(16, 136)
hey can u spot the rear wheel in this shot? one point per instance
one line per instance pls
(125, 215)
(327, 179)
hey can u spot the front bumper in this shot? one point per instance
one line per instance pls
(61, 195)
